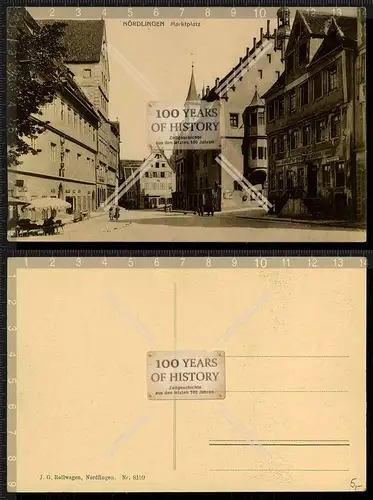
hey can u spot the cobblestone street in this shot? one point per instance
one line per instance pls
(153, 226)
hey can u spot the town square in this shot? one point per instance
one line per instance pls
(265, 143)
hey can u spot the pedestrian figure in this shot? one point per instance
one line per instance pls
(117, 212)
(111, 213)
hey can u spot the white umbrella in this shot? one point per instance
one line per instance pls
(47, 202)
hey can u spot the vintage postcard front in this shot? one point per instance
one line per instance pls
(186, 374)
(186, 124)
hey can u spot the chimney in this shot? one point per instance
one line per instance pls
(216, 82)
(268, 28)
(254, 43)
(207, 89)
(240, 60)
(247, 51)
(261, 34)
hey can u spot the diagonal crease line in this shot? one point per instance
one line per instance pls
(242, 69)
(130, 181)
(121, 310)
(234, 170)
(126, 435)
(132, 71)
(231, 330)
(246, 185)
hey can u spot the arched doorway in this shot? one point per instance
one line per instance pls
(258, 176)
(61, 194)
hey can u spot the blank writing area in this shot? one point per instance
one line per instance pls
(293, 417)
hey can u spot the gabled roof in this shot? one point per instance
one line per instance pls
(82, 39)
(339, 35)
(318, 23)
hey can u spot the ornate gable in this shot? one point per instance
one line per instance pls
(299, 32)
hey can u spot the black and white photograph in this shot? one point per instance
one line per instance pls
(156, 124)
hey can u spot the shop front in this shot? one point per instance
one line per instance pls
(318, 184)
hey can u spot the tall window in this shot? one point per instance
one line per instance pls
(332, 78)
(53, 148)
(304, 94)
(260, 153)
(300, 178)
(280, 180)
(335, 126)
(320, 130)
(261, 118)
(339, 174)
(67, 157)
(317, 86)
(62, 111)
(326, 176)
(253, 153)
(233, 120)
(306, 135)
(282, 143)
(293, 139)
(292, 100)
(69, 115)
(281, 106)
(260, 73)
(253, 119)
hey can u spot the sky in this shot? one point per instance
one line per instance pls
(154, 64)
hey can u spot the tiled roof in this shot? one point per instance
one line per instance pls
(83, 39)
(318, 23)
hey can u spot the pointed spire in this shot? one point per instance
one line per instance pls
(256, 101)
(192, 92)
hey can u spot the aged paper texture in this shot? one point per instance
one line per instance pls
(293, 416)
